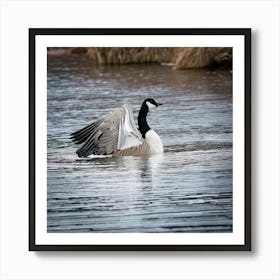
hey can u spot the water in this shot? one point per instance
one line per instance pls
(186, 189)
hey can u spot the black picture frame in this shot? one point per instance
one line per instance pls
(246, 33)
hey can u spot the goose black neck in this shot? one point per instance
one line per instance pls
(142, 120)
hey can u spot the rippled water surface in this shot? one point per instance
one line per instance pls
(186, 189)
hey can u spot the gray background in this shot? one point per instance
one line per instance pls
(18, 263)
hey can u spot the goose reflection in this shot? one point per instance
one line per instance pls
(149, 168)
(144, 169)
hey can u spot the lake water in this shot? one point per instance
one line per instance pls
(188, 188)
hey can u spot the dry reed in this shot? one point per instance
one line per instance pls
(182, 58)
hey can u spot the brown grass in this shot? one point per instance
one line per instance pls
(182, 58)
(189, 58)
(130, 55)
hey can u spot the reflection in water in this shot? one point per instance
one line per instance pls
(147, 166)
(186, 189)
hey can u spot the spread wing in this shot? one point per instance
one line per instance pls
(112, 132)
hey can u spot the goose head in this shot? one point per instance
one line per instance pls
(150, 103)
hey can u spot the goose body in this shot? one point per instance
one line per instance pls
(116, 134)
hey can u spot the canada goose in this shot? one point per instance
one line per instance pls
(116, 134)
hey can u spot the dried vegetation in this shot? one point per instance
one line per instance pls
(182, 58)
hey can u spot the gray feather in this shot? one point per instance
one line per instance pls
(102, 137)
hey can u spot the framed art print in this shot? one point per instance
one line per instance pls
(140, 139)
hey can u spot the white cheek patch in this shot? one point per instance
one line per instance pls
(150, 105)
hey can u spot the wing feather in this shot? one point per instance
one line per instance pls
(114, 131)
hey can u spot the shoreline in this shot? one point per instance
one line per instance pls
(181, 58)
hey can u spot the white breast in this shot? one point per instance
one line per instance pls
(154, 141)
